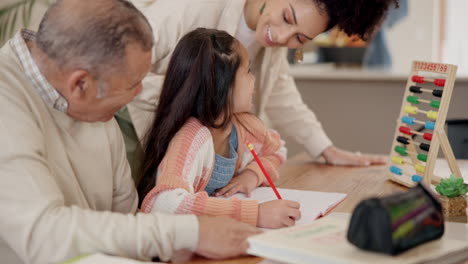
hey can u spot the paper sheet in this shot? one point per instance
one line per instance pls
(313, 204)
(100, 258)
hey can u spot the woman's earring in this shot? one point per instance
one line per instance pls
(262, 8)
(298, 55)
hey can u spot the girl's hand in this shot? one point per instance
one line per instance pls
(278, 213)
(244, 182)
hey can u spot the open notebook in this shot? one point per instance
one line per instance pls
(313, 204)
(324, 241)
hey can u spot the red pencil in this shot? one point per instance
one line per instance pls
(251, 148)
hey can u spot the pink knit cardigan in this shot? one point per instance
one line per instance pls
(187, 166)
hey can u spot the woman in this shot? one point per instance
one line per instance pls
(266, 28)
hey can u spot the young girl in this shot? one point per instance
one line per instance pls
(196, 148)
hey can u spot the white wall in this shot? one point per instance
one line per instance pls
(414, 38)
(456, 39)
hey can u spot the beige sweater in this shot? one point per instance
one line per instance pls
(278, 102)
(66, 188)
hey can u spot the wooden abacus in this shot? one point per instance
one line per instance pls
(408, 165)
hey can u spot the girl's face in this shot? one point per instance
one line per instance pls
(243, 84)
(289, 23)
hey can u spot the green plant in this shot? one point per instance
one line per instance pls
(452, 187)
(10, 16)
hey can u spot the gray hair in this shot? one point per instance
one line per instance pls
(92, 35)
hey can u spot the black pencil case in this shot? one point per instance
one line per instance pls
(396, 223)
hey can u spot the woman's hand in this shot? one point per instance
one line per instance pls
(244, 182)
(339, 157)
(278, 213)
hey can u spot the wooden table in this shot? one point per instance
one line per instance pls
(358, 182)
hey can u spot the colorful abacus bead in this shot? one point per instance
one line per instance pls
(418, 90)
(435, 104)
(399, 172)
(421, 79)
(416, 178)
(420, 168)
(439, 82)
(404, 152)
(417, 79)
(406, 141)
(429, 125)
(411, 121)
(408, 131)
(398, 160)
(427, 136)
(432, 115)
(416, 100)
(405, 130)
(411, 109)
(396, 170)
(401, 161)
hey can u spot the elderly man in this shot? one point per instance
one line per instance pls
(66, 186)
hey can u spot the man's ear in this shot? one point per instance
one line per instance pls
(79, 84)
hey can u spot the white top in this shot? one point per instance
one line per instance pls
(246, 36)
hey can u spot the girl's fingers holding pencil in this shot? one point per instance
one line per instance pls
(293, 204)
(295, 214)
(289, 221)
(277, 214)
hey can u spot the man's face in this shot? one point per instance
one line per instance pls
(120, 86)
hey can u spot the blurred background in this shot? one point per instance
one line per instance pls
(355, 87)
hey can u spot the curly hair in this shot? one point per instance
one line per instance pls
(356, 17)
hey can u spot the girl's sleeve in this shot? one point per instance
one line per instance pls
(183, 175)
(272, 154)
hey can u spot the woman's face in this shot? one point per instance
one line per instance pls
(289, 23)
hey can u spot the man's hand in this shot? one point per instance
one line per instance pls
(339, 157)
(244, 182)
(223, 237)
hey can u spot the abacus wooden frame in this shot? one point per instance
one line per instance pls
(439, 139)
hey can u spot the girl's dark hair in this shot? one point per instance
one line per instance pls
(356, 17)
(198, 84)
